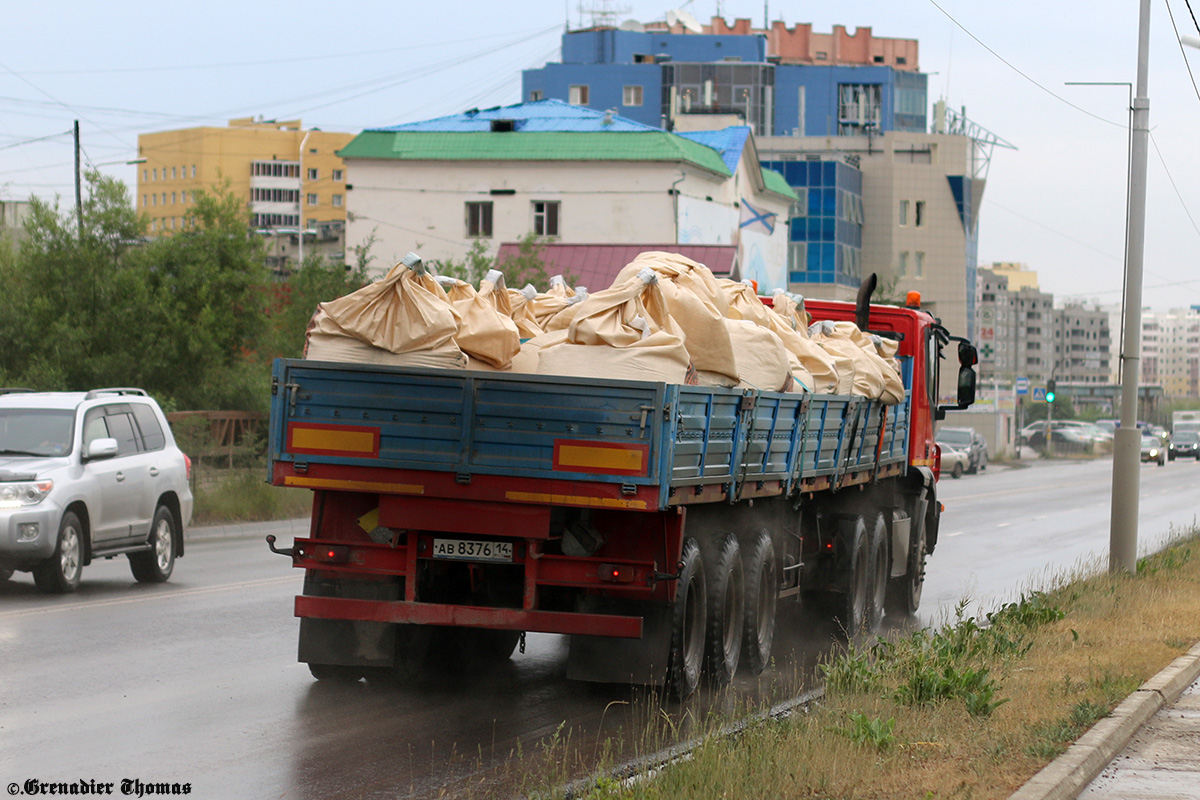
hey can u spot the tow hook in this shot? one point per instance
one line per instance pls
(278, 551)
(522, 643)
(667, 576)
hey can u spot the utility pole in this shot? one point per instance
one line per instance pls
(78, 185)
(1126, 478)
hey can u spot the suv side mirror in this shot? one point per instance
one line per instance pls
(100, 448)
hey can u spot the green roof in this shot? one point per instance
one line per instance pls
(775, 182)
(536, 146)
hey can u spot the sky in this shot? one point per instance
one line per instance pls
(1056, 203)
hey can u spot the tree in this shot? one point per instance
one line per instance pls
(527, 267)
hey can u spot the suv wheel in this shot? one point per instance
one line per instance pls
(156, 564)
(60, 573)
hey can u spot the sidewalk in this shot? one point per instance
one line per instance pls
(249, 530)
(1149, 747)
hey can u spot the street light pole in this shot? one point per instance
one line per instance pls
(1127, 439)
(300, 204)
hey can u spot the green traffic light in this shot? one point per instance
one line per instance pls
(1049, 397)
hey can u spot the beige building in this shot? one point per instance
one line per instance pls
(1019, 276)
(13, 215)
(1171, 351)
(290, 178)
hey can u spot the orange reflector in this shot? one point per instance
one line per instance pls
(608, 458)
(333, 440)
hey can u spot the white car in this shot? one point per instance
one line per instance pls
(955, 460)
(86, 476)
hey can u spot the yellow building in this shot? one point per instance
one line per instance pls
(1019, 276)
(289, 176)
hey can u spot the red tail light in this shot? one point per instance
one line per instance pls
(188, 463)
(329, 553)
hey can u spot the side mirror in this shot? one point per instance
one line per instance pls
(99, 449)
(966, 386)
(968, 356)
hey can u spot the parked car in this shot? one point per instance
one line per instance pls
(1153, 450)
(86, 476)
(1186, 444)
(969, 439)
(955, 460)
(1067, 436)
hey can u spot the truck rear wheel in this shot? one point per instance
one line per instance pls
(726, 609)
(880, 569)
(336, 673)
(762, 596)
(687, 624)
(852, 605)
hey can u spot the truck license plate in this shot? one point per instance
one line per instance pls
(473, 551)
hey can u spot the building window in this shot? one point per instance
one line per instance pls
(578, 95)
(145, 175)
(337, 201)
(545, 218)
(902, 266)
(535, 95)
(173, 194)
(903, 213)
(797, 256)
(312, 199)
(919, 217)
(479, 220)
(193, 170)
(338, 175)
(154, 174)
(632, 96)
(164, 200)
(312, 174)
(918, 265)
(800, 207)
(145, 200)
(172, 178)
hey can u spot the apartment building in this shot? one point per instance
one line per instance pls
(292, 179)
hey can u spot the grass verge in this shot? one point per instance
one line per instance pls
(971, 710)
(239, 496)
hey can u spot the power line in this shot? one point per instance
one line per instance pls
(1013, 67)
(1173, 185)
(31, 141)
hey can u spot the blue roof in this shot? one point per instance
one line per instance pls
(544, 116)
(729, 142)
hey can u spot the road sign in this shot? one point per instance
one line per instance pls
(1022, 385)
(1039, 393)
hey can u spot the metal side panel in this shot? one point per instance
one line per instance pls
(469, 422)
(769, 436)
(705, 426)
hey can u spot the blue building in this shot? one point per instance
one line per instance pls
(654, 77)
(657, 78)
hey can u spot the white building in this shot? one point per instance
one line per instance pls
(565, 173)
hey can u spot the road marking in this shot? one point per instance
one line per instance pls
(157, 596)
(956, 533)
(1004, 524)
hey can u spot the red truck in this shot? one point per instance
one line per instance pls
(656, 525)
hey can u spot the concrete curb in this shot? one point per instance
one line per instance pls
(1069, 774)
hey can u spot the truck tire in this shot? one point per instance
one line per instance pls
(762, 597)
(687, 624)
(852, 605)
(904, 592)
(726, 611)
(880, 570)
(336, 673)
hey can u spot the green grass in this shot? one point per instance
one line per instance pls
(246, 497)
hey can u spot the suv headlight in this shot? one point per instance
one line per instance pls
(27, 493)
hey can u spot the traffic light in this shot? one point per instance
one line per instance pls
(1050, 391)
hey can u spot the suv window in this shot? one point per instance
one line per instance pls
(112, 421)
(36, 431)
(152, 433)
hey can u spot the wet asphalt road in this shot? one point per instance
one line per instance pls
(195, 681)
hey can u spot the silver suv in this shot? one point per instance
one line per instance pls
(85, 476)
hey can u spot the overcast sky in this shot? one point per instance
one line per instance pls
(1056, 203)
